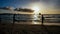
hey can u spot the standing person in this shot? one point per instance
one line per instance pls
(42, 19)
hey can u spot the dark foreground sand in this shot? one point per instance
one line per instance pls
(28, 29)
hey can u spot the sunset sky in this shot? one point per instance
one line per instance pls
(45, 6)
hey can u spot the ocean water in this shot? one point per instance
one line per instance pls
(19, 18)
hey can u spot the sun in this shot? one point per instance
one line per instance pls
(36, 9)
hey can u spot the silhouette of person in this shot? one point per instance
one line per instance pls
(42, 19)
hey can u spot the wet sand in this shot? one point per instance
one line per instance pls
(29, 29)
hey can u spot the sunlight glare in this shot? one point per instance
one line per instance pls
(36, 9)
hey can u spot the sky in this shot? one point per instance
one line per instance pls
(23, 3)
(45, 5)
